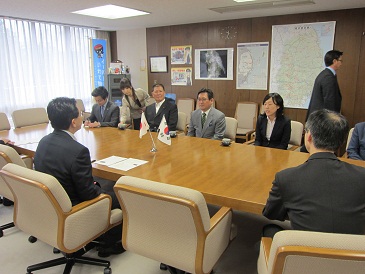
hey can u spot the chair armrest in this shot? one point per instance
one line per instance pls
(28, 160)
(251, 142)
(293, 148)
(218, 217)
(266, 245)
(88, 203)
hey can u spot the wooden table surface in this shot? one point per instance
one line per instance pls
(238, 176)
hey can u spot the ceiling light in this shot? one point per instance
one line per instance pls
(262, 5)
(240, 1)
(110, 12)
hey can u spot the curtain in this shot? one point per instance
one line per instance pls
(40, 61)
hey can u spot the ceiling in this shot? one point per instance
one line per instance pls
(163, 12)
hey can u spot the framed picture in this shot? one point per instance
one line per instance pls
(214, 64)
(158, 63)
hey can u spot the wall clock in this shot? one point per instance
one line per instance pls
(228, 33)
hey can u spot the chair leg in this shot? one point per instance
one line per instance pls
(6, 226)
(70, 259)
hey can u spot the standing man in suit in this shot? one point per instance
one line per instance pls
(326, 91)
(60, 155)
(324, 194)
(207, 122)
(161, 107)
(104, 113)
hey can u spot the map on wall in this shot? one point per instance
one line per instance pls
(252, 65)
(297, 58)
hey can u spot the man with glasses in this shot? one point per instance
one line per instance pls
(60, 155)
(326, 92)
(104, 113)
(207, 122)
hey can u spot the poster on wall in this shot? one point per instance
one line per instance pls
(181, 76)
(252, 65)
(181, 55)
(98, 60)
(214, 64)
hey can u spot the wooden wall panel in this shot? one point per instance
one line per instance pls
(359, 109)
(348, 38)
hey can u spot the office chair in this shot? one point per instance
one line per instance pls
(348, 142)
(42, 208)
(246, 115)
(81, 106)
(181, 122)
(185, 105)
(231, 128)
(29, 116)
(9, 155)
(296, 135)
(171, 224)
(4, 121)
(305, 252)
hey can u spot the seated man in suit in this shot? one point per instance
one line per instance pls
(324, 194)
(163, 106)
(104, 113)
(207, 122)
(356, 148)
(60, 155)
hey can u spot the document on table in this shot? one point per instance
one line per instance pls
(121, 163)
(128, 164)
(110, 160)
(29, 141)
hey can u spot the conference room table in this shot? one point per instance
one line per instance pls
(238, 176)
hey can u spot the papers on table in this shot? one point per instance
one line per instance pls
(120, 163)
(29, 141)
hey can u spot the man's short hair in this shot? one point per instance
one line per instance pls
(100, 91)
(158, 85)
(332, 55)
(328, 129)
(61, 111)
(208, 91)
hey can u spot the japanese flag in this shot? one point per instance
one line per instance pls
(144, 126)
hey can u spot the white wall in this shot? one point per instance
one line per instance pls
(132, 50)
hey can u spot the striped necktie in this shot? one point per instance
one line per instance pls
(102, 111)
(204, 118)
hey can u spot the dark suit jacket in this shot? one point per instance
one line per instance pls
(214, 126)
(61, 156)
(326, 93)
(168, 108)
(280, 135)
(324, 194)
(111, 115)
(356, 148)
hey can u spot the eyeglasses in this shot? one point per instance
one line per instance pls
(82, 113)
(202, 99)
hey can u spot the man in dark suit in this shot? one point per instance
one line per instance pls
(163, 106)
(60, 155)
(326, 91)
(324, 194)
(207, 122)
(104, 113)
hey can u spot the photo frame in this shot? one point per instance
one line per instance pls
(158, 63)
